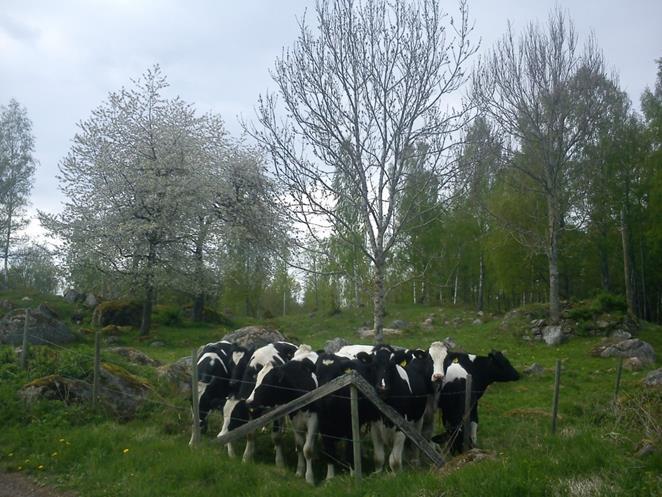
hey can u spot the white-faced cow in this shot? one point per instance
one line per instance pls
(484, 371)
(244, 377)
(215, 368)
(278, 385)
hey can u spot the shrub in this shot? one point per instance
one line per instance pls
(168, 315)
(117, 312)
(607, 302)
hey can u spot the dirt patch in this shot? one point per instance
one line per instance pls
(19, 485)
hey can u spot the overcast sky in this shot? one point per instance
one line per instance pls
(61, 58)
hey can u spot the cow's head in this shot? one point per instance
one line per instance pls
(240, 358)
(384, 364)
(501, 367)
(438, 352)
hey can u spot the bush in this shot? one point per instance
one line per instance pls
(606, 302)
(168, 315)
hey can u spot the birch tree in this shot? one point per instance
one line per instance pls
(540, 90)
(358, 94)
(17, 167)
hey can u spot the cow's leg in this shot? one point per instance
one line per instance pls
(379, 453)
(329, 446)
(277, 439)
(231, 453)
(249, 451)
(309, 446)
(395, 459)
(298, 427)
(413, 450)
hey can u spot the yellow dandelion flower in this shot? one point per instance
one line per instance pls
(54, 454)
(125, 451)
(62, 440)
(41, 466)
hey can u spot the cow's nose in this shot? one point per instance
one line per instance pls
(437, 377)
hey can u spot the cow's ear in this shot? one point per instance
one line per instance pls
(364, 357)
(420, 354)
(400, 357)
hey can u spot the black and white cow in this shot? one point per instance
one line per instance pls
(278, 385)
(244, 377)
(403, 379)
(335, 422)
(215, 368)
(484, 371)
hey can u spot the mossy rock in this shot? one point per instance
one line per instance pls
(210, 316)
(117, 312)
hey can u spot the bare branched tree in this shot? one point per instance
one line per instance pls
(540, 90)
(360, 95)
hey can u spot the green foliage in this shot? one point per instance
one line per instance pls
(168, 315)
(117, 312)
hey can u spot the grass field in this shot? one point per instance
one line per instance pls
(592, 454)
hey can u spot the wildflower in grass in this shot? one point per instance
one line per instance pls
(11, 454)
(125, 451)
(54, 454)
(20, 468)
(41, 466)
(62, 440)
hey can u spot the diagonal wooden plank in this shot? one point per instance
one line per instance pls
(296, 404)
(407, 428)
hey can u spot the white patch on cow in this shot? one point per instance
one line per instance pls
(438, 352)
(229, 406)
(263, 355)
(305, 352)
(472, 357)
(213, 356)
(236, 356)
(404, 376)
(454, 372)
(314, 377)
(328, 362)
(201, 388)
(350, 351)
(382, 384)
(474, 433)
(260, 377)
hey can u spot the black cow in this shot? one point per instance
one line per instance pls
(215, 368)
(484, 371)
(278, 385)
(404, 381)
(335, 422)
(242, 383)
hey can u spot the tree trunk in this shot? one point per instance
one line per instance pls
(146, 321)
(378, 301)
(457, 272)
(6, 254)
(199, 307)
(628, 271)
(481, 283)
(553, 228)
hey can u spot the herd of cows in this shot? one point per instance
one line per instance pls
(244, 383)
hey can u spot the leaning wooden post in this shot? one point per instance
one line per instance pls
(557, 386)
(97, 368)
(356, 431)
(195, 403)
(24, 349)
(467, 414)
(619, 373)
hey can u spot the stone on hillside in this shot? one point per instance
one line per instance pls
(91, 301)
(254, 336)
(120, 391)
(399, 324)
(73, 296)
(364, 332)
(333, 346)
(633, 364)
(629, 348)
(450, 343)
(654, 378)
(177, 374)
(428, 323)
(42, 328)
(135, 356)
(553, 335)
(117, 312)
(620, 334)
(477, 321)
(6, 305)
(534, 369)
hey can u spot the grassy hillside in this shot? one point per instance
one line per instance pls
(593, 453)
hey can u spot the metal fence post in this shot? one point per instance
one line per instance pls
(195, 403)
(356, 431)
(467, 414)
(97, 368)
(24, 349)
(557, 386)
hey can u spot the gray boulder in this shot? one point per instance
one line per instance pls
(73, 296)
(254, 336)
(534, 369)
(333, 346)
(91, 301)
(177, 374)
(629, 348)
(553, 335)
(135, 356)
(43, 328)
(399, 324)
(654, 378)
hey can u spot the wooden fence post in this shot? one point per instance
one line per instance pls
(356, 431)
(24, 349)
(619, 373)
(557, 386)
(97, 368)
(195, 404)
(466, 439)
